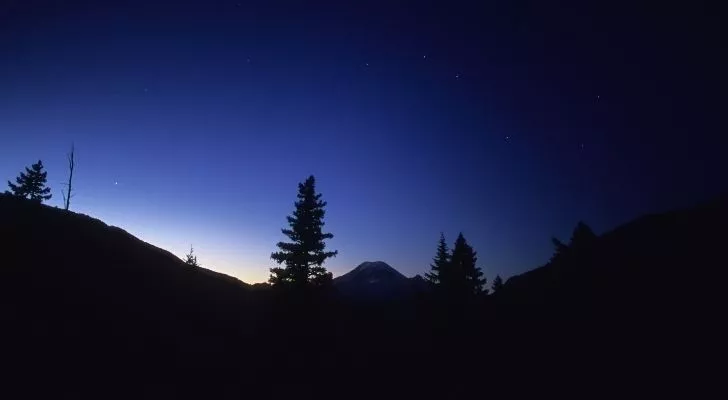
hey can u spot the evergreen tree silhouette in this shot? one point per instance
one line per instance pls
(191, 258)
(582, 238)
(31, 184)
(497, 284)
(305, 254)
(559, 249)
(468, 277)
(439, 267)
(455, 274)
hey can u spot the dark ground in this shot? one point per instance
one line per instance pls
(90, 311)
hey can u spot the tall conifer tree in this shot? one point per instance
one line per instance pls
(497, 284)
(439, 267)
(304, 255)
(467, 276)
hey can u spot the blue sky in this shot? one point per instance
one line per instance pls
(193, 123)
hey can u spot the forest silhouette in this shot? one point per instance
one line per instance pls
(91, 311)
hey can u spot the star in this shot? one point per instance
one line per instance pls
(508, 138)
(116, 183)
(457, 76)
(424, 57)
(597, 97)
(146, 90)
(581, 146)
(366, 64)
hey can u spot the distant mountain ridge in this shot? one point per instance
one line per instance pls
(377, 280)
(373, 270)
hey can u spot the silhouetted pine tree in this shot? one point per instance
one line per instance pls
(191, 258)
(305, 254)
(469, 277)
(439, 267)
(456, 275)
(497, 284)
(473, 274)
(582, 238)
(31, 184)
(559, 249)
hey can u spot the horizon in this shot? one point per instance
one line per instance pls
(336, 273)
(193, 124)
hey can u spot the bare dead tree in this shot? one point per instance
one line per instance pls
(71, 165)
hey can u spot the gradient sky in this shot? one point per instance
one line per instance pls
(193, 121)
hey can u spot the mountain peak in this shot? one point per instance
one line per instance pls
(374, 265)
(374, 279)
(372, 272)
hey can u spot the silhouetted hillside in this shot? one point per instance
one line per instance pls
(77, 293)
(90, 310)
(641, 270)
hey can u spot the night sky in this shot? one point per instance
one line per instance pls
(194, 121)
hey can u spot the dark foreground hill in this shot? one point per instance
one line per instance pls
(86, 300)
(90, 311)
(649, 268)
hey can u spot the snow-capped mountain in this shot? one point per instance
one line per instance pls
(376, 279)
